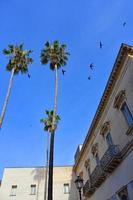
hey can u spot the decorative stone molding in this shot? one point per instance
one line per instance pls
(124, 52)
(94, 149)
(87, 163)
(130, 130)
(105, 128)
(119, 99)
(81, 174)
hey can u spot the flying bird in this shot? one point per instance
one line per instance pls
(89, 78)
(124, 24)
(63, 71)
(91, 66)
(29, 75)
(101, 45)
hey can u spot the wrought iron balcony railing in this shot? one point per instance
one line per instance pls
(108, 163)
(98, 176)
(88, 190)
(111, 158)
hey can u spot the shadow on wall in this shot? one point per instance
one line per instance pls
(38, 176)
(73, 194)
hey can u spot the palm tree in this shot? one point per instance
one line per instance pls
(48, 127)
(18, 62)
(56, 56)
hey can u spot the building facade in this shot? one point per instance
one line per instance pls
(28, 184)
(105, 161)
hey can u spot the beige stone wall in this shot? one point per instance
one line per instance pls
(118, 131)
(25, 177)
(120, 177)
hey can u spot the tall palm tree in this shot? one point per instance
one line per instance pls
(19, 59)
(56, 56)
(48, 127)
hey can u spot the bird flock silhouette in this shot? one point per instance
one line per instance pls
(92, 66)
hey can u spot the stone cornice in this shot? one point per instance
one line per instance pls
(124, 52)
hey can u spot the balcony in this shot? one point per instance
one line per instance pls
(111, 159)
(108, 163)
(88, 190)
(97, 176)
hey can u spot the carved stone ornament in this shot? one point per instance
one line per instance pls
(87, 163)
(94, 149)
(119, 99)
(81, 174)
(105, 128)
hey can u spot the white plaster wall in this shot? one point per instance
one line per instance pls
(24, 177)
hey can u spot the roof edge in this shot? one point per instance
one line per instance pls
(124, 51)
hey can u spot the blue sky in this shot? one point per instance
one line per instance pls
(81, 25)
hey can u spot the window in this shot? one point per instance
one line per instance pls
(109, 139)
(127, 114)
(97, 159)
(66, 188)
(33, 189)
(13, 190)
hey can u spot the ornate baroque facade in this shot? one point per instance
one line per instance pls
(106, 158)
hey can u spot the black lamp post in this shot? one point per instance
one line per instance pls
(79, 185)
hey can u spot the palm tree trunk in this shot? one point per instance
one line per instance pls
(7, 98)
(51, 157)
(46, 169)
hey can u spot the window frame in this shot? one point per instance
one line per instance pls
(97, 159)
(13, 190)
(33, 189)
(110, 139)
(66, 191)
(128, 121)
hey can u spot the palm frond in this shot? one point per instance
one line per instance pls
(18, 58)
(48, 121)
(54, 54)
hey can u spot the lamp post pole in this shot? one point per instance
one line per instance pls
(79, 185)
(80, 194)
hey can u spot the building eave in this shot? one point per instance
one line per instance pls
(124, 51)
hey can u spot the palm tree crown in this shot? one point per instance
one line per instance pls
(18, 58)
(55, 54)
(48, 122)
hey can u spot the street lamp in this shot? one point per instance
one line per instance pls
(79, 185)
